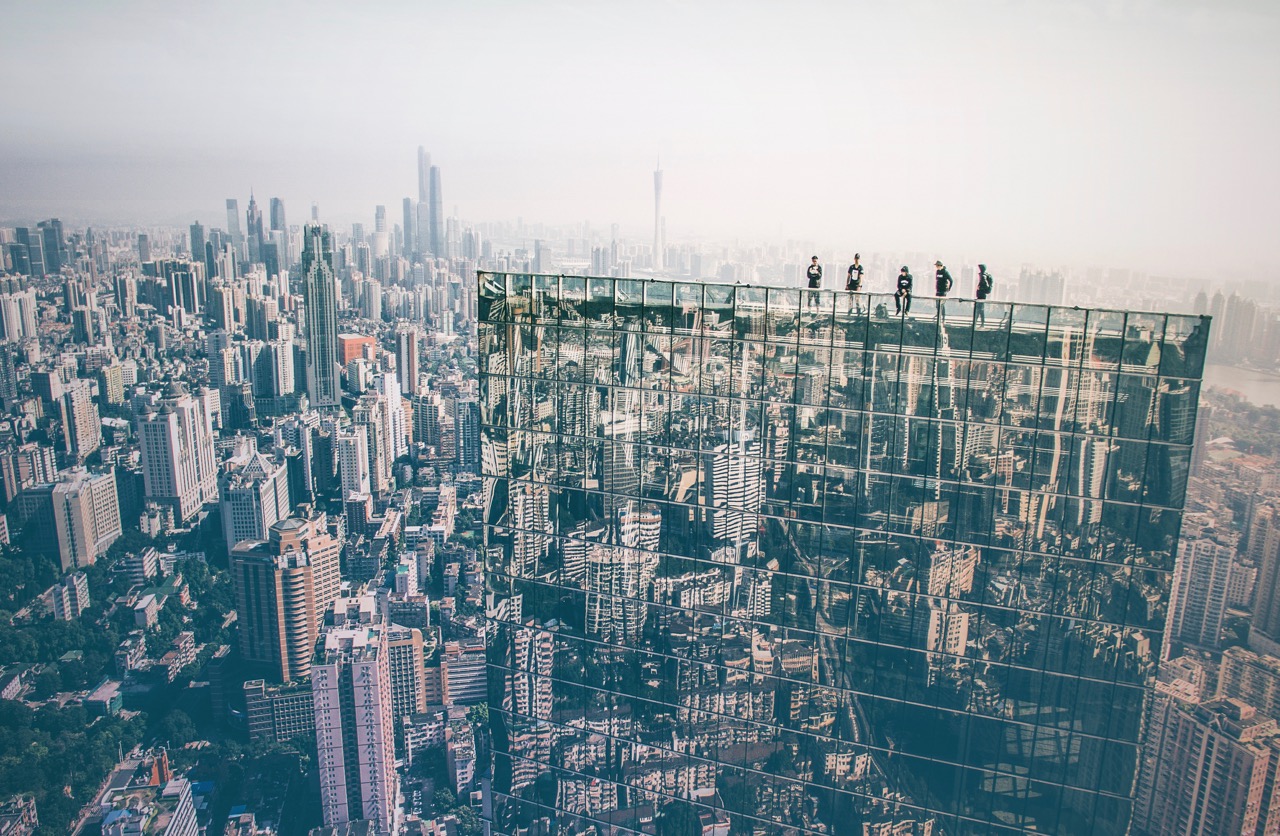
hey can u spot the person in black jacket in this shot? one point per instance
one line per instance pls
(902, 299)
(815, 274)
(982, 292)
(854, 282)
(942, 279)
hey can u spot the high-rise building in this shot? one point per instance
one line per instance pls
(1251, 677)
(408, 675)
(424, 176)
(410, 229)
(27, 465)
(9, 376)
(435, 214)
(815, 570)
(18, 312)
(81, 425)
(253, 220)
(233, 232)
(353, 460)
(55, 248)
(126, 294)
(1264, 550)
(466, 424)
(77, 517)
(283, 585)
(111, 383)
(32, 243)
(408, 349)
(1198, 602)
(1209, 768)
(197, 241)
(254, 493)
(370, 414)
(319, 292)
(277, 216)
(351, 691)
(386, 386)
(178, 464)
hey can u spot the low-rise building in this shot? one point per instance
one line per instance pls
(142, 797)
(423, 731)
(180, 654)
(460, 752)
(18, 816)
(70, 596)
(105, 700)
(146, 611)
(131, 653)
(278, 713)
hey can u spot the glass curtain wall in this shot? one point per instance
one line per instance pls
(764, 560)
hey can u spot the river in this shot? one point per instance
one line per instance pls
(1259, 388)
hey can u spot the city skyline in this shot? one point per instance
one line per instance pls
(1130, 134)
(424, 419)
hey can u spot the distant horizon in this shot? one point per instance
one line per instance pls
(299, 213)
(1129, 134)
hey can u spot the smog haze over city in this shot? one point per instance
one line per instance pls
(1129, 133)
(640, 418)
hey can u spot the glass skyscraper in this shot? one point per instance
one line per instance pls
(763, 560)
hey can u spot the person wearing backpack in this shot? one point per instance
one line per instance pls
(982, 292)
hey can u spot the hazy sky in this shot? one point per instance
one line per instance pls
(1134, 133)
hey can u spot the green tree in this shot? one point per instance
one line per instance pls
(176, 729)
(443, 800)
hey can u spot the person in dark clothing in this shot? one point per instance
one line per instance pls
(854, 282)
(982, 292)
(815, 274)
(902, 299)
(942, 279)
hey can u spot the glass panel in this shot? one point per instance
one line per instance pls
(781, 556)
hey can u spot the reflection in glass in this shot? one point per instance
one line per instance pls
(785, 561)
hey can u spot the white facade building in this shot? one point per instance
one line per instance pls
(178, 462)
(351, 694)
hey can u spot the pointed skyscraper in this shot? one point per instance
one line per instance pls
(319, 293)
(253, 216)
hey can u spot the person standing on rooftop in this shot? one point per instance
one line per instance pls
(982, 292)
(854, 282)
(942, 279)
(815, 274)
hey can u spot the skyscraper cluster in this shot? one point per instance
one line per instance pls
(480, 525)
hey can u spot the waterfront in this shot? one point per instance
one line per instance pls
(1260, 388)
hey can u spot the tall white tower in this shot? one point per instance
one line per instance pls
(659, 245)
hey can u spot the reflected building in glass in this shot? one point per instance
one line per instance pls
(763, 560)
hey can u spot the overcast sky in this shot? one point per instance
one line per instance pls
(1126, 133)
